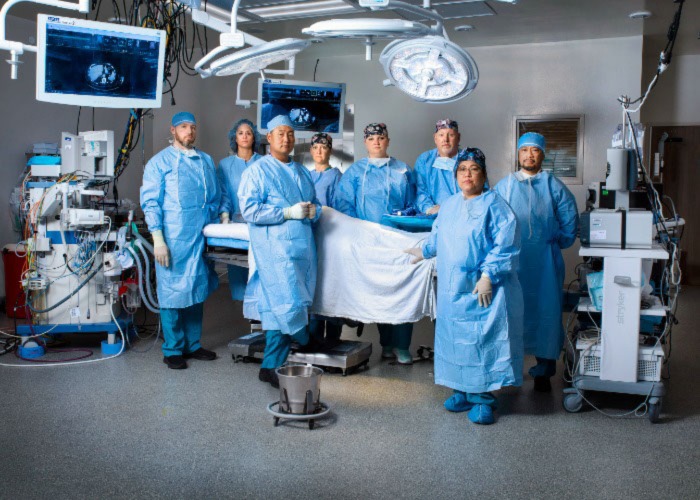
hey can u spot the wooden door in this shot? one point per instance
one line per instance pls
(681, 181)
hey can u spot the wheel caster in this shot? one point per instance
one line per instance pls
(653, 412)
(345, 373)
(277, 421)
(312, 422)
(572, 403)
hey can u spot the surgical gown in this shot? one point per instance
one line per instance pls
(548, 218)
(477, 349)
(367, 192)
(229, 173)
(180, 196)
(433, 185)
(284, 250)
(326, 183)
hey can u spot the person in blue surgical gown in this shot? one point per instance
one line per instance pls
(324, 332)
(243, 138)
(548, 218)
(279, 203)
(179, 196)
(478, 334)
(435, 169)
(370, 188)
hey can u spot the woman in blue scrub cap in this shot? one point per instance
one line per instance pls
(478, 333)
(243, 139)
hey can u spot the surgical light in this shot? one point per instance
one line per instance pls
(430, 69)
(252, 59)
(221, 62)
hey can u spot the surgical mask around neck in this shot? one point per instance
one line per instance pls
(443, 163)
(189, 152)
(378, 162)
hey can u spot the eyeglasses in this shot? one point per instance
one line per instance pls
(471, 170)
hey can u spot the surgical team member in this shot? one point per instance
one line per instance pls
(435, 169)
(279, 203)
(370, 188)
(325, 177)
(179, 196)
(478, 335)
(243, 137)
(324, 332)
(548, 218)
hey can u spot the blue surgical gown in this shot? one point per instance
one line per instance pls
(284, 250)
(326, 183)
(180, 195)
(367, 192)
(229, 173)
(477, 349)
(548, 218)
(433, 185)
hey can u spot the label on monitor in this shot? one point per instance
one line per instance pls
(600, 234)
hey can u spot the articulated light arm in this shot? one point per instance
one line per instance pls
(18, 48)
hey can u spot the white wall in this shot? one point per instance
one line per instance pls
(676, 98)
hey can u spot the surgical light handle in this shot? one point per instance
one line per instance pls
(17, 48)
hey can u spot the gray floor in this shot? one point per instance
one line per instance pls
(131, 428)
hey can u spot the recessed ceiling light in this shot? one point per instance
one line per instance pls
(642, 14)
(465, 27)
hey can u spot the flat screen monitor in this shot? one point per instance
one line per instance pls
(88, 63)
(312, 106)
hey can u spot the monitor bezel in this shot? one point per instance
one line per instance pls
(43, 20)
(302, 134)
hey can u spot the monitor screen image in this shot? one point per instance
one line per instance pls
(97, 64)
(312, 106)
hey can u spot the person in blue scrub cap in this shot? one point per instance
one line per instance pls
(434, 169)
(369, 189)
(324, 332)
(243, 139)
(179, 196)
(279, 203)
(478, 332)
(548, 218)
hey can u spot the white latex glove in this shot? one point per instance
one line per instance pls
(432, 210)
(483, 289)
(312, 211)
(298, 211)
(224, 218)
(160, 249)
(417, 254)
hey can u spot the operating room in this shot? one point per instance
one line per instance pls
(99, 412)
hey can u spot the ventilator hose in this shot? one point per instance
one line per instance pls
(143, 294)
(81, 285)
(149, 289)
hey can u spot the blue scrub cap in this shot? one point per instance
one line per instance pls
(322, 138)
(279, 121)
(472, 154)
(532, 139)
(376, 129)
(234, 130)
(183, 117)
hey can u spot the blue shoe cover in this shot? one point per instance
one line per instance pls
(458, 403)
(481, 414)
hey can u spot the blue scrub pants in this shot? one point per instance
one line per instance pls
(481, 398)
(182, 329)
(237, 281)
(398, 336)
(322, 328)
(278, 345)
(544, 368)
